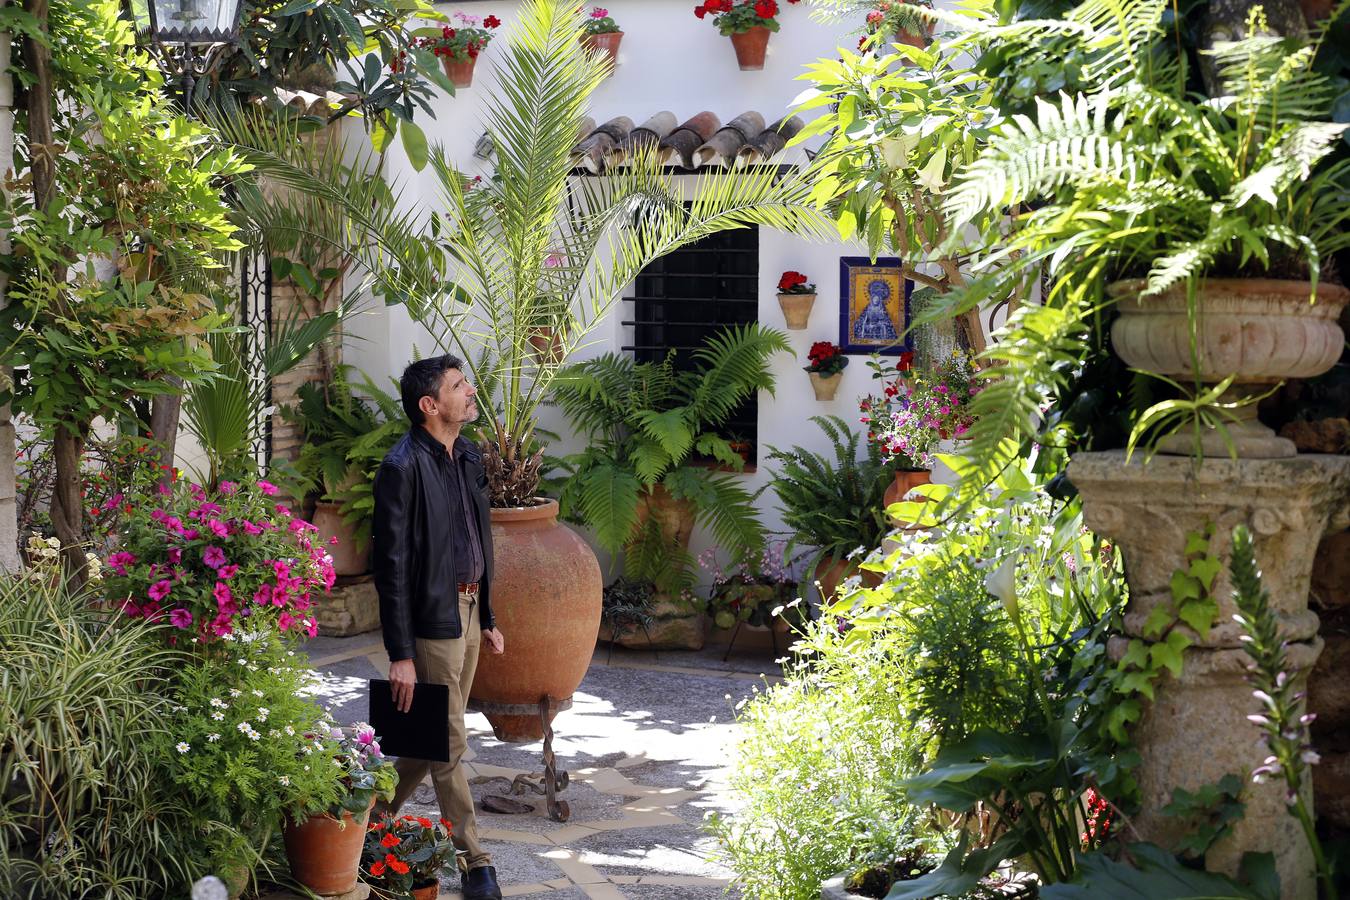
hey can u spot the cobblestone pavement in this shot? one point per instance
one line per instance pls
(645, 746)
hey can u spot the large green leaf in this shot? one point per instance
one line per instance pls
(1155, 875)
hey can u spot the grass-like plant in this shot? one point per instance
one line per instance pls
(86, 809)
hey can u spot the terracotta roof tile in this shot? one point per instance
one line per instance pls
(698, 142)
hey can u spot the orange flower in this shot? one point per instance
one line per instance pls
(390, 840)
(398, 865)
(424, 822)
(377, 869)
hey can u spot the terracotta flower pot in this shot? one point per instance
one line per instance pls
(1260, 330)
(347, 560)
(427, 891)
(325, 854)
(831, 573)
(607, 43)
(459, 71)
(546, 595)
(796, 309)
(905, 481)
(750, 48)
(825, 386)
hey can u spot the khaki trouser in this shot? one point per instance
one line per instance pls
(450, 662)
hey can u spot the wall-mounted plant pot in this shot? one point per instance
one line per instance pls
(796, 309)
(825, 386)
(750, 48)
(607, 43)
(459, 71)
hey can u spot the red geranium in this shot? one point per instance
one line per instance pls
(739, 16)
(795, 283)
(412, 851)
(826, 358)
(464, 42)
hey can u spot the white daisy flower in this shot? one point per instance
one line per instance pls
(258, 694)
(263, 713)
(285, 781)
(244, 727)
(218, 703)
(213, 737)
(182, 746)
(218, 716)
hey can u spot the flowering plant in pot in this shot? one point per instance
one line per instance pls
(748, 23)
(406, 855)
(917, 409)
(796, 295)
(211, 563)
(324, 842)
(458, 48)
(896, 20)
(602, 33)
(826, 361)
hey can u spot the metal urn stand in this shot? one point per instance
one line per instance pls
(550, 782)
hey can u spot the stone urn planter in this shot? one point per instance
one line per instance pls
(796, 309)
(750, 48)
(347, 559)
(459, 71)
(1260, 330)
(606, 43)
(546, 596)
(825, 386)
(325, 854)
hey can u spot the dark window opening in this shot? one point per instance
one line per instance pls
(690, 294)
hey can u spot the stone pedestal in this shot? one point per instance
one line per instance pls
(1328, 688)
(352, 608)
(1196, 732)
(674, 627)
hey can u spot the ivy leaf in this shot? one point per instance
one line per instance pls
(1136, 654)
(1163, 654)
(1157, 621)
(1199, 615)
(1184, 586)
(1205, 569)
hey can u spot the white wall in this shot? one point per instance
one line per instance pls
(669, 60)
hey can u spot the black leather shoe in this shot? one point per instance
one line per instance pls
(480, 884)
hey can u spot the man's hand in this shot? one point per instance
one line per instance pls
(495, 640)
(402, 677)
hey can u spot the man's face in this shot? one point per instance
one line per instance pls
(454, 403)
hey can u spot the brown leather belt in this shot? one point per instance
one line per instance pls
(469, 588)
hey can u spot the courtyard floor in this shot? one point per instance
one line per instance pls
(646, 746)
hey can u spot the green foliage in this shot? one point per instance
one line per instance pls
(346, 439)
(137, 200)
(816, 770)
(1135, 177)
(87, 810)
(1211, 810)
(835, 505)
(1156, 875)
(627, 605)
(642, 423)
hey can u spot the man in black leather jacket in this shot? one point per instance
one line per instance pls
(432, 554)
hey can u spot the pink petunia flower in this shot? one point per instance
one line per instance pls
(218, 528)
(214, 557)
(180, 618)
(228, 572)
(228, 487)
(268, 488)
(160, 589)
(250, 528)
(285, 621)
(221, 592)
(175, 555)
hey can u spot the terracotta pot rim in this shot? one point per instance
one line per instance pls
(753, 29)
(1326, 291)
(542, 509)
(601, 34)
(789, 294)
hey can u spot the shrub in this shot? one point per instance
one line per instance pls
(817, 770)
(86, 810)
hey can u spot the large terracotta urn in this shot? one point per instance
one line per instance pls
(546, 595)
(1260, 330)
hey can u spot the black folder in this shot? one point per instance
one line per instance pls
(423, 732)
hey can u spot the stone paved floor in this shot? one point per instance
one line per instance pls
(645, 745)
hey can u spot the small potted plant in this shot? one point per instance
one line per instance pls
(458, 48)
(405, 856)
(896, 20)
(603, 34)
(796, 295)
(748, 23)
(757, 593)
(324, 845)
(826, 363)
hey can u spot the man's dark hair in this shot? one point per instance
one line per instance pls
(423, 379)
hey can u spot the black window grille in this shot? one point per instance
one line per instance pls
(687, 295)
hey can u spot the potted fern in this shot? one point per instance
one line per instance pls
(1208, 223)
(346, 437)
(639, 485)
(835, 505)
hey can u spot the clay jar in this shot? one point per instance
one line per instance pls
(606, 43)
(546, 596)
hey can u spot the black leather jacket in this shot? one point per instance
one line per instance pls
(412, 550)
